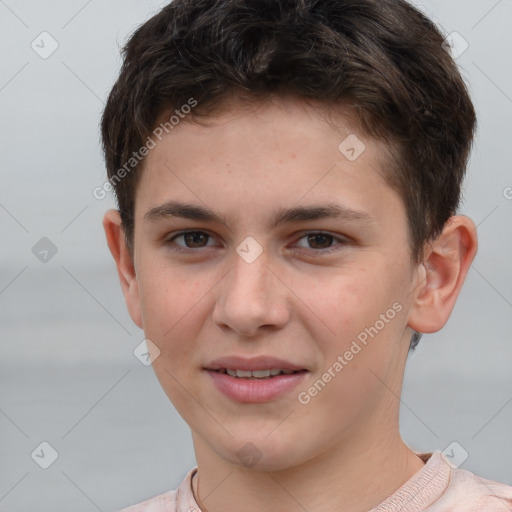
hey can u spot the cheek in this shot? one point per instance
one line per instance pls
(172, 305)
(355, 312)
(170, 300)
(345, 300)
(361, 350)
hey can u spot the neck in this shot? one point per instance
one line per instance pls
(343, 479)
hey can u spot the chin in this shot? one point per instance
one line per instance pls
(261, 455)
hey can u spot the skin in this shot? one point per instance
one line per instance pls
(342, 451)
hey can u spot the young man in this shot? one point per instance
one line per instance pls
(287, 175)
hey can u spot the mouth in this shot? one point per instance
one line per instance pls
(255, 374)
(256, 386)
(257, 379)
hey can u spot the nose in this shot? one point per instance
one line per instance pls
(252, 298)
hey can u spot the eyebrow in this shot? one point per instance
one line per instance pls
(282, 216)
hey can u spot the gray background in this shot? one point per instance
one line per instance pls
(67, 369)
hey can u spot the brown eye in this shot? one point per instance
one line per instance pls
(195, 239)
(191, 240)
(320, 240)
(322, 243)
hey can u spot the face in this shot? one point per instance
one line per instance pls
(328, 293)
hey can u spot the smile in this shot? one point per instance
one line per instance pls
(247, 386)
(257, 374)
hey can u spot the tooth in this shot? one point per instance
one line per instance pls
(261, 373)
(243, 373)
(257, 374)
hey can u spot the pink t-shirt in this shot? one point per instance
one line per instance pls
(437, 487)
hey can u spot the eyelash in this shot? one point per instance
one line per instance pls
(342, 241)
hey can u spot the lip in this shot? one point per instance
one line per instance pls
(255, 390)
(254, 363)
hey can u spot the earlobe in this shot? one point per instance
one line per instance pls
(125, 265)
(442, 274)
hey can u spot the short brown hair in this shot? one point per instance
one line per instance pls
(383, 57)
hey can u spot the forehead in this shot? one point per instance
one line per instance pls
(281, 152)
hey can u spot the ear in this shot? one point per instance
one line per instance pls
(114, 233)
(442, 274)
